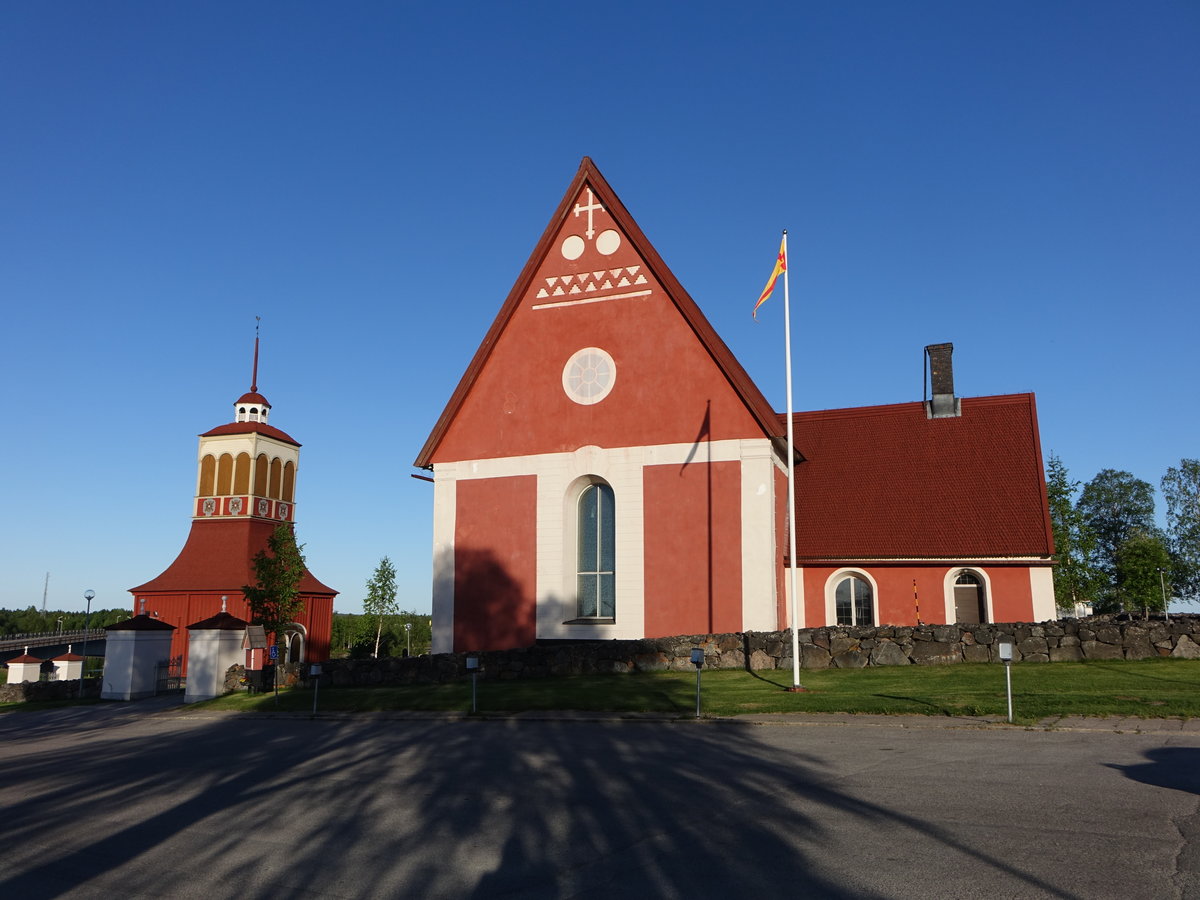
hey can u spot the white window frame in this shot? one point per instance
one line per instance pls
(831, 584)
(948, 590)
(571, 548)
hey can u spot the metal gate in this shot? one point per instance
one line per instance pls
(170, 676)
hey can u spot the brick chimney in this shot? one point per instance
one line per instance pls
(941, 378)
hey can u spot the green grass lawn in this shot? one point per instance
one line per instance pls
(1149, 688)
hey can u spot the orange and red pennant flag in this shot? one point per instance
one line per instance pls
(780, 268)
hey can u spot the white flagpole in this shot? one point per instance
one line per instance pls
(791, 465)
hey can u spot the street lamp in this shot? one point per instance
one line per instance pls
(408, 637)
(60, 621)
(88, 595)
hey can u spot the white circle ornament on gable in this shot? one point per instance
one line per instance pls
(589, 376)
(608, 241)
(573, 247)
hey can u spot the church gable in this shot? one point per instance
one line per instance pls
(567, 276)
(597, 344)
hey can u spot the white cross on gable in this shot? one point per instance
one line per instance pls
(591, 205)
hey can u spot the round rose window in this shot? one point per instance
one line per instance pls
(589, 375)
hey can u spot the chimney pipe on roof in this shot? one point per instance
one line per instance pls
(941, 377)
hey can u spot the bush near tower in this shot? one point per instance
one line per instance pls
(275, 600)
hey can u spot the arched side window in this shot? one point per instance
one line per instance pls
(289, 481)
(208, 475)
(241, 474)
(854, 601)
(225, 474)
(597, 552)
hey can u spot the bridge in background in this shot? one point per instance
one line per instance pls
(53, 643)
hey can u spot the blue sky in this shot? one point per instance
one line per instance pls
(1019, 178)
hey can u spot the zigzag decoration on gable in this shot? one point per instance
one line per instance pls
(626, 277)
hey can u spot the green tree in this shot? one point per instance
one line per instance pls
(30, 621)
(1114, 505)
(17, 621)
(275, 598)
(410, 632)
(1181, 491)
(1143, 564)
(1076, 578)
(380, 601)
(347, 631)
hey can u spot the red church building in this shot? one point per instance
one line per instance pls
(245, 489)
(607, 469)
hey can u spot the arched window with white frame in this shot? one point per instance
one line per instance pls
(853, 601)
(597, 552)
(850, 599)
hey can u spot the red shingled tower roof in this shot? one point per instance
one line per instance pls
(218, 556)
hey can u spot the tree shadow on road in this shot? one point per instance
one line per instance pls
(162, 805)
(1177, 768)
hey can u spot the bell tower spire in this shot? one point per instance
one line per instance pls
(254, 374)
(252, 406)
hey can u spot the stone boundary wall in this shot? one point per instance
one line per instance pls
(48, 690)
(1067, 640)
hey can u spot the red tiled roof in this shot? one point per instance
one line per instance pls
(885, 482)
(218, 556)
(252, 428)
(222, 621)
(254, 397)
(25, 658)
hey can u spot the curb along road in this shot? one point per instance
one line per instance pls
(1113, 725)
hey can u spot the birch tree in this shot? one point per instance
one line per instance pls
(381, 597)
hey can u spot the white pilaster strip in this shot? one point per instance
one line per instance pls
(445, 503)
(758, 536)
(554, 602)
(1041, 584)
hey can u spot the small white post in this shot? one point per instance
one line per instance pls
(1006, 654)
(698, 662)
(473, 668)
(314, 672)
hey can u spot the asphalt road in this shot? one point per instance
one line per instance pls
(125, 801)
